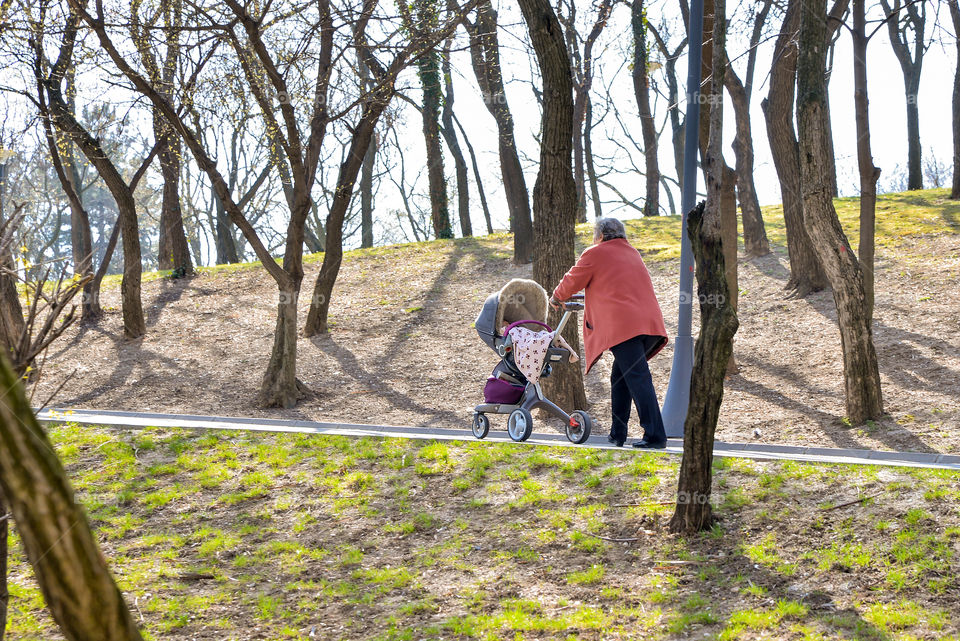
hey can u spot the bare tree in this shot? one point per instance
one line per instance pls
(485, 59)
(373, 107)
(555, 194)
(450, 136)
(673, 95)
(754, 234)
(869, 173)
(906, 29)
(582, 72)
(420, 19)
(861, 372)
(718, 317)
(52, 104)
(173, 252)
(806, 273)
(641, 90)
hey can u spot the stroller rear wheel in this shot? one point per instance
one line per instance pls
(579, 426)
(481, 425)
(520, 424)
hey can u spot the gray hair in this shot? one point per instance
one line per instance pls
(608, 229)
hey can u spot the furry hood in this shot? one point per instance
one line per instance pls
(521, 299)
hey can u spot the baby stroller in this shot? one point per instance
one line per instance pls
(523, 303)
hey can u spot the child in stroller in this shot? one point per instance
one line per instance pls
(505, 324)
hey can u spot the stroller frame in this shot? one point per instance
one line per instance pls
(578, 423)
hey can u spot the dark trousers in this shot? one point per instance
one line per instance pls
(630, 381)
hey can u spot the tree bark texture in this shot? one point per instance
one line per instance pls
(861, 372)
(173, 250)
(641, 90)
(806, 272)
(76, 584)
(485, 59)
(726, 180)
(555, 194)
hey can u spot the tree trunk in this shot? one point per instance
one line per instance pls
(869, 174)
(588, 159)
(280, 387)
(754, 233)
(317, 317)
(476, 177)
(806, 272)
(76, 584)
(429, 70)
(727, 200)
(485, 59)
(450, 136)
(578, 181)
(712, 353)
(134, 325)
(173, 249)
(718, 317)
(861, 373)
(81, 236)
(911, 64)
(366, 173)
(366, 195)
(226, 244)
(4, 553)
(914, 162)
(955, 16)
(641, 90)
(555, 194)
(11, 312)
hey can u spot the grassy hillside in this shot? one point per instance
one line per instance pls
(899, 216)
(226, 536)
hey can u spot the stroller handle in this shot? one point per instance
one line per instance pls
(526, 322)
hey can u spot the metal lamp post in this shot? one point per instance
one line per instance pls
(677, 399)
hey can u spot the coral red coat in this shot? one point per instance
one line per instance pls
(620, 301)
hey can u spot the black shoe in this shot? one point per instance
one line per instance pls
(614, 441)
(647, 445)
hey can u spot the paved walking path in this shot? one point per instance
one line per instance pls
(675, 446)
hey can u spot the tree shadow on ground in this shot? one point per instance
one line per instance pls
(399, 342)
(821, 604)
(829, 424)
(123, 368)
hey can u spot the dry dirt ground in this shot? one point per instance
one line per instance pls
(402, 349)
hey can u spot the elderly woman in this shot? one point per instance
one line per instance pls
(622, 315)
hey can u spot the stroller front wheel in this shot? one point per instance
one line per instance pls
(579, 426)
(481, 425)
(520, 425)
